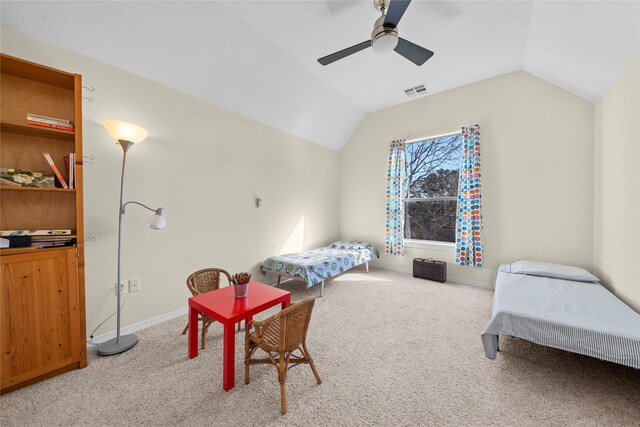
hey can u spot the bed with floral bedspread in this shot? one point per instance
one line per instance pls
(317, 265)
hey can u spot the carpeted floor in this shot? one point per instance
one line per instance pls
(391, 350)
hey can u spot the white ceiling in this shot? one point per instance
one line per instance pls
(258, 58)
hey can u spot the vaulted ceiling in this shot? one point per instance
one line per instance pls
(259, 58)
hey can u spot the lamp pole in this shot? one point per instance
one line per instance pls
(125, 147)
(124, 343)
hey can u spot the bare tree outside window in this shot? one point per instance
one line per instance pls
(431, 187)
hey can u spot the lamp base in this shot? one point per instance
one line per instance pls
(111, 347)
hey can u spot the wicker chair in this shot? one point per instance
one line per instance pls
(280, 336)
(205, 280)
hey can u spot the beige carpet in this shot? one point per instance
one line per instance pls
(391, 350)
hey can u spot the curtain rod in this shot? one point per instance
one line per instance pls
(440, 135)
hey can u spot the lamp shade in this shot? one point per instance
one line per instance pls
(125, 131)
(157, 221)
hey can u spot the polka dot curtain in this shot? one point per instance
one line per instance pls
(469, 210)
(394, 224)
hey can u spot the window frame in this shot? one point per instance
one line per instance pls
(430, 244)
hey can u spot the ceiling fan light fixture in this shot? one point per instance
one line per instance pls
(384, 37)
(385, 41)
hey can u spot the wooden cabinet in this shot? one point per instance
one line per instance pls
(40, 323)
(42, 290)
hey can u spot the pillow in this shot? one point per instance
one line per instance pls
(341, 244)
(554, 271)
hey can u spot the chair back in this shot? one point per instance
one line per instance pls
(294, 323)
(205, 280)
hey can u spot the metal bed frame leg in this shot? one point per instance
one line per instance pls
(366, 264)
(279, 277)
(322, 289)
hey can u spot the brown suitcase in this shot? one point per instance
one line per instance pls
(430, 269)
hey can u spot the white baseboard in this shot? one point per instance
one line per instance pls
(449, 279)
(138, 326)
(470, 282)
(183, 311)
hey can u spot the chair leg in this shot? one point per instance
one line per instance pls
(247, 355)
(184, 331)
(310, 361)
(282, 372)
(315, 371)
(204, 331)
(283, 399)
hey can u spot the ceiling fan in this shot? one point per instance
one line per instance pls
(384, 37)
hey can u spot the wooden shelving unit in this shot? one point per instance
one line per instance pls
(42, 298)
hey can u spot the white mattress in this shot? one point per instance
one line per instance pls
(583, 318)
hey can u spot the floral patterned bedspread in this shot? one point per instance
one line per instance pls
(317, 265)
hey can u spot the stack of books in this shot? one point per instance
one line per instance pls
(53, 241)
(44, 238)
(49, 122)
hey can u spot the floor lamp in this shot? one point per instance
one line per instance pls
(127, 134)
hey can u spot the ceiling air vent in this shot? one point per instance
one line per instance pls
(416, 91)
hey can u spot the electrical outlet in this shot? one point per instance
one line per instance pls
(123, 288)
(134, 285)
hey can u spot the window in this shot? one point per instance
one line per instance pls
(430, 189)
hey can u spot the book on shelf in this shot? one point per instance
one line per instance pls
(70, 166)
(55, 170)
(66, 167)
(72, 170)
(25, 178)
(50, 125)
(49, 120)
(6, 182)
(52, 232)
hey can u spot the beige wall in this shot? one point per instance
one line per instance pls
(616, 248)
(537, 170)
(205, 166)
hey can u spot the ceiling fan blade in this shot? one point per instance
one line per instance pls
(326, 60)
(414, 53)
(395, 12)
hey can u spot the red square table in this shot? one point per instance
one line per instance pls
(223, 306)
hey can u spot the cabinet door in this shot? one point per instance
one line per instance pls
(39, 321)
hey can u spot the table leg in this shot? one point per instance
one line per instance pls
(229, 353)
(193, 332)
(286, 302)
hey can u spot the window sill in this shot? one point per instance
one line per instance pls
(430, 244)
